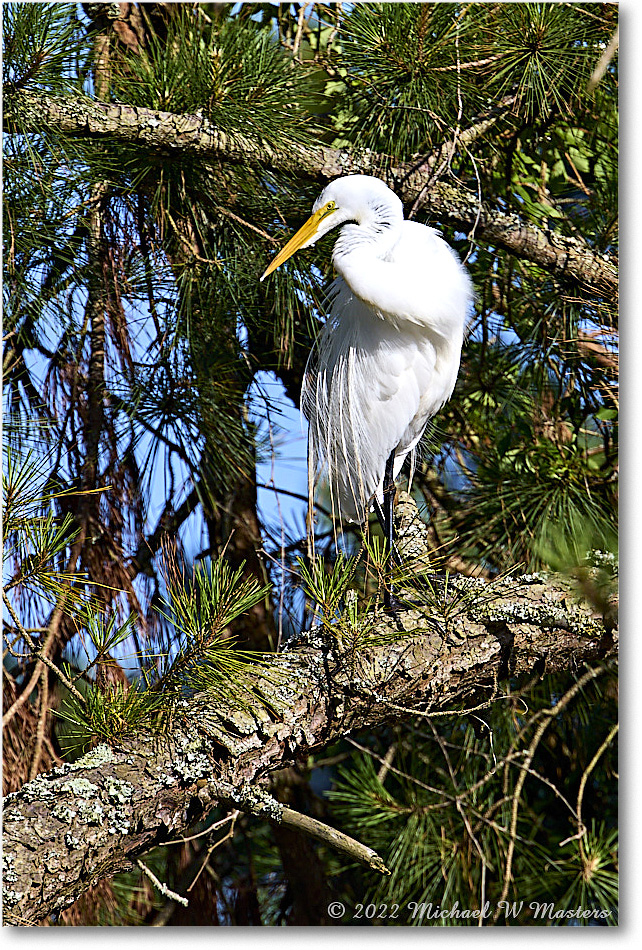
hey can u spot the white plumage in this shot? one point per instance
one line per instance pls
(388, 355)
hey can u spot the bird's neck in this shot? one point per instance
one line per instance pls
(375, 235)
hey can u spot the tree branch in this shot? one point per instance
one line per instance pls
(80, 823)
(569, 259)
(256, 801)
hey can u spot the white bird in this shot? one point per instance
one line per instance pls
(388, 355)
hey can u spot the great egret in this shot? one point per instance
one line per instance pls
(388, 355)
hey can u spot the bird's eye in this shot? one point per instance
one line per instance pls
(327, 209)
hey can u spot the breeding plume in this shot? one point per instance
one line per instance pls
(388, 355)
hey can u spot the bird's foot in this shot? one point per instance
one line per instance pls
(396, 606)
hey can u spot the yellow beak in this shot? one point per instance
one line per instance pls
(301, 238)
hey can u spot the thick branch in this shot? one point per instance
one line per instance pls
(567, 258)
(80, 823)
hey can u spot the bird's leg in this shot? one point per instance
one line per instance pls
(389, 526)
(386, 520)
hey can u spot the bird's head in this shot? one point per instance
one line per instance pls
(358, 198)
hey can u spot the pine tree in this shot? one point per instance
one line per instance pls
(156, 155)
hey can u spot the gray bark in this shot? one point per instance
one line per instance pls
(568, 259)
(77, 824)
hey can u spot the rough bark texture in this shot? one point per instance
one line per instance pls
(80, 823)
(568, 258)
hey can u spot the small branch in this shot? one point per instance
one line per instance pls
(435, 164)
(52, 632)
(20, 700)
(42, 722)
(581, 828)
(387, 762)
(246, 224)
(299, 32)
(163, 888)
(603, 62)
(336, 839)
(257, 801)
(226, 837)
(42, 656)
(548, 716)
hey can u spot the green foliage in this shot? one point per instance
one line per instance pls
(544, 53)
(588, 877)
(325, 588)
(536, 503)
(401, 74)
(238, 78)
(204, 657)
(43, 45)
(201, 610)
(104, 709)
(107, 716)
(137, 336)
(412, 71)
(35, 538)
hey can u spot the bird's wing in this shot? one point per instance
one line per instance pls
(421, 281)
(363, 388)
